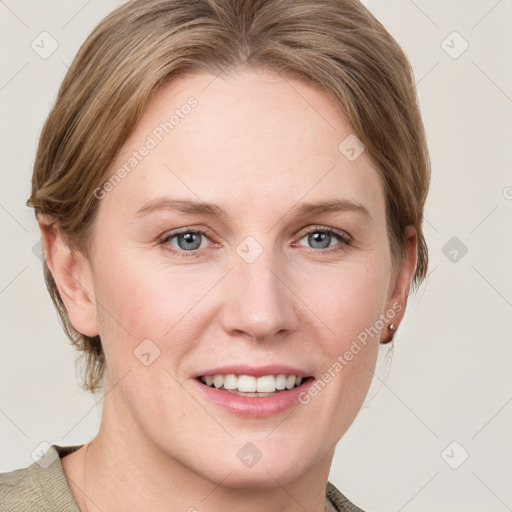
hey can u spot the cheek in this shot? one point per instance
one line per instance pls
(348, 299)
(145, 299)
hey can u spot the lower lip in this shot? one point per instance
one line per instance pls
(258, 406)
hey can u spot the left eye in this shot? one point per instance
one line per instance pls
(322, 238)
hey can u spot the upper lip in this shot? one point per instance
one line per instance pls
(256, 371)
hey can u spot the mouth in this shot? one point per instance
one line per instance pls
(254, 391)
(254, 386)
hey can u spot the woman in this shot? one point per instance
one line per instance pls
(230, 196)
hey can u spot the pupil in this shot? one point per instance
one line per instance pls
(189, 240)
(322, 238)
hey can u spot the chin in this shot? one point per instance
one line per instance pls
(272, 466)
(272, 473)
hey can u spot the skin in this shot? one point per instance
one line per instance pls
(256, 147)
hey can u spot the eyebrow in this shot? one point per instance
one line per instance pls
(214, 210)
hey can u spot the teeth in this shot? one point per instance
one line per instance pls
(251, 384)
(280, 382)
(290, 381)
(218, 381)
(230, 381)
(246, 383)
(266, 384)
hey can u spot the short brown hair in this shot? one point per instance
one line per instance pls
(337, 45)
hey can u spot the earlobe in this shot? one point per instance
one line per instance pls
(72, 275)
(397, 301)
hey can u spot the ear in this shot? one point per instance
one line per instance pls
(397, 300)
(72, 274)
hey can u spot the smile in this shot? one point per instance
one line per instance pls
(251, 396)
(246, 385)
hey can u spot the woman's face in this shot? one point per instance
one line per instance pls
(265, 286)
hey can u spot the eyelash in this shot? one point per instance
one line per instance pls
(345, 240)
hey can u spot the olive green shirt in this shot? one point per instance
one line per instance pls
(43, 487)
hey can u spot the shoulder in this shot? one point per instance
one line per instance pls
(19, 490)
(42, 486)
(340, 502)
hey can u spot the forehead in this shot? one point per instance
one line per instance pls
(249, 139)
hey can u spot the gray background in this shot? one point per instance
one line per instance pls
(450, 378)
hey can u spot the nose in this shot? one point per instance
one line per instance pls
(260, 303)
